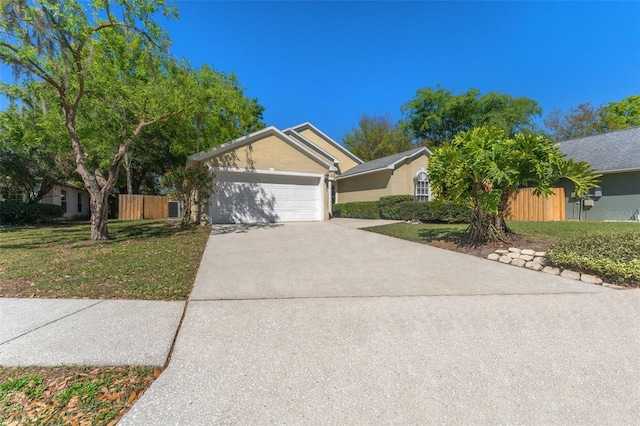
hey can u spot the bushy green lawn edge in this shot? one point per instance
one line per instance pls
(614, 257)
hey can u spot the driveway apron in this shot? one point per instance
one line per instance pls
(316, 323)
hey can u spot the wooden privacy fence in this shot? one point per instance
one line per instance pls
(132, 207)
(526, 206)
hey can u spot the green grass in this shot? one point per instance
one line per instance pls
(605, 249)
(423, 233)
(549, 231)
(556, 231)
(70, 395)
(153, 260)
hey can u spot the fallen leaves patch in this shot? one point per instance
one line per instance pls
(70, 396)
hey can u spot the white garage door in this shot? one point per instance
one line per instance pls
(253, 197)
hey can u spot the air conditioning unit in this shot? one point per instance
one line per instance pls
(175, 210)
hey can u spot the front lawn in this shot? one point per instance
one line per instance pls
(154, 260)
(576, 245)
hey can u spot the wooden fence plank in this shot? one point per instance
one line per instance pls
(132, 207)
(526, 206)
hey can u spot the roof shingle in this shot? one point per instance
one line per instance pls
(619, 150)
(381, 163)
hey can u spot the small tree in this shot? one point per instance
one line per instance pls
(377, 137)
(189, 185)
(483, 168)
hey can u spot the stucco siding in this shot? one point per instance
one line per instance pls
(620, 198)
(346, 162)
(267, 153)
(75, 207)
(372, 186)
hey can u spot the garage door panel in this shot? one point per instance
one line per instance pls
(253, 197)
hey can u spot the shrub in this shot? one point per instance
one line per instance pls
(410, 210)
(389, 205)
(17, 212)
(613, 257)
(357, 210)
(451, 212)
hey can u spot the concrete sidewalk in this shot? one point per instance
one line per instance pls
(325, 324)
(52, 332)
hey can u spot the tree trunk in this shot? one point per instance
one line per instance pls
(127, 169)
(99, 214)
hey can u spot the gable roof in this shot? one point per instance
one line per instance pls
(301, 127)
(295, 135)
(609, 152)
(390, 162)
(253, 137)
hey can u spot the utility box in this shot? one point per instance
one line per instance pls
(588, 203)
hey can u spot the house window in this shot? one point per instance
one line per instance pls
(63, 200)
(334, 192)
(79, 202)
(421, 186)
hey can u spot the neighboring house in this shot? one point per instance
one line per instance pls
(616, 156)
(73, 199)
(297, 175)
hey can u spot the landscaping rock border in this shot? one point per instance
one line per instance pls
(538, 261)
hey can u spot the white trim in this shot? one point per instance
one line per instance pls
(328, 139)
(606, 172)
(391, 166)
(245, 140)
(265, 172)
(310, 144)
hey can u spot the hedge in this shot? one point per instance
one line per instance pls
(18, 212)
(388, 205)
(614, 257)
(402, 207)
(358, 210)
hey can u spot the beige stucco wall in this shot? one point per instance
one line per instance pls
(267, 153)
(272, 152)
(346, 162)
(372, 186)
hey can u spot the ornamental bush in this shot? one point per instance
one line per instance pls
(389, 205)
(613, 257)
(357, 210)
(17, 212)
(410, 210)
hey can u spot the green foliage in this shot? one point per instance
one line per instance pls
(622, 114)
(587, 120)
(188, 184)
(377, 137)
(611, 256)
(584, 120)
(437, 115)
(389, 205)
(410, 210)
(402, 207)
(17, 212)
(445, 212)
(357, 210)
(482, 167)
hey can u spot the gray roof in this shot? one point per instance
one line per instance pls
(609, 152)
(383, 163)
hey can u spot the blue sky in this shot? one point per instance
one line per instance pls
(330, 62)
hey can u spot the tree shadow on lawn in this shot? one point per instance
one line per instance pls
(449, 235)
(78, 235)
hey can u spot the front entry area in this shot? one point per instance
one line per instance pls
(249, 197)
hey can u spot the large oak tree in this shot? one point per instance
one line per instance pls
(89, 55)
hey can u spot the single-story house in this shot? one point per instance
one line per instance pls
(615, 155)
(73, 199)
(298, 173)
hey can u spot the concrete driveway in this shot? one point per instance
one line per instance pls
(324, 324)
